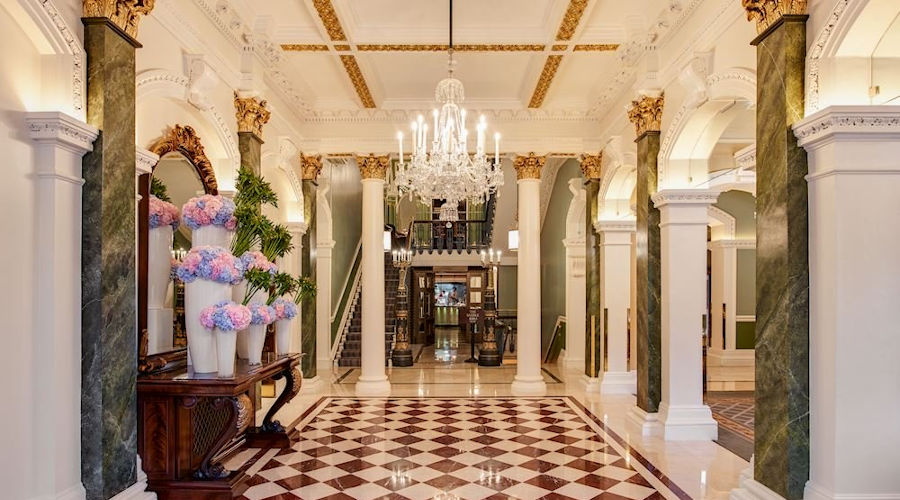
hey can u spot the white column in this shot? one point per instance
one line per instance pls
(575, 303)
(727, 368)
(61, 143)
(615, 298)
(529, 379)
(683, 221)
(373, 381)
(323, 306)
(854, 178)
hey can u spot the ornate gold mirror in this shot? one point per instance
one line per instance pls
(183, 172)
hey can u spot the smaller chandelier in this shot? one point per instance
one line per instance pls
(447, 172)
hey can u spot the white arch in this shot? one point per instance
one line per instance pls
(619, 175)
(695, 130)
(161, 83)
(575, 217)
(722, 223)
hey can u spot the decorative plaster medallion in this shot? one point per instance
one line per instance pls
(646, 114)
(126, 14)
(251, 114)
(529, 167)
(591, 166)
(373, 167)
(768, 12)
(310, 166)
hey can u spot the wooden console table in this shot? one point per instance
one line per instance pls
(189, 421)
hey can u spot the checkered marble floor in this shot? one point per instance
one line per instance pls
(461, 448)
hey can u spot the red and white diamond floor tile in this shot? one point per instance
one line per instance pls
(462, 448)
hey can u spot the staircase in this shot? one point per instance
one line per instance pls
(351, 345)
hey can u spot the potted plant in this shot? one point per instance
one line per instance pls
(163, 220)
(210, 218)
(224, 319)
(262, 315)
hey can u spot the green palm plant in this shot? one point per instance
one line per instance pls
(247, 233)
(253, 190)
(159, 189)
(257, 280)
(275, 241)
(305, 288)
(282, 284)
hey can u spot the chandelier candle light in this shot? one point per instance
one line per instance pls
(448, 172)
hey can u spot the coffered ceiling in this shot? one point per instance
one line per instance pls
(346, 55)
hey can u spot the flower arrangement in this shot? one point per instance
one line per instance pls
(252, 193)
(226, 316)
(285, 285)
(284, 309)
(261, 314)
(211, 263)
(275, 241)
(209, 210)
(162, 213)
(256, 260)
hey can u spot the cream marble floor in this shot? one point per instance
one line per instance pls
(701, 469)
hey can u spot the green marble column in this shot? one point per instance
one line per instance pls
(593, 361)
(251, 115)
(649, 322)
(782, 263)
(250, 148)
(308, 266)
(109, 304)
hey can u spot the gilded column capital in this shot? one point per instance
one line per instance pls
(310, 167)
(646, 114)
(373, 167)
(768, 12)
(529, 167)
(251, 114)
(590, 166)
(126, 14)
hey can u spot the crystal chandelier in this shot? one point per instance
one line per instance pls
(448, 172)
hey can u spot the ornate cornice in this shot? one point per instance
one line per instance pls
(570, 20)
(646, 114)
(310, 167)
(546, 78)
(529, 167)
(684, 197)
(144, 160)
(739, 244)
(251, 114)
(768, 12)
(373, 167)
(745, 159)
(591, 166)
(815, 55)
(297, 227)
(53, 127)
(358, 80)
(126, 14)
(615, 226)
(183, 140)
(848, 121)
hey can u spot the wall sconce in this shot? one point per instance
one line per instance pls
(513, 239)
(387, 240)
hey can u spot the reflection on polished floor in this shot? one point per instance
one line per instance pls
(344, 441)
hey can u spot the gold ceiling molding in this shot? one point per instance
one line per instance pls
(304, 47)
(571, 19)
(445, 47)
(251, 114)
(596, 47)
(560, 46)
(768, 12)
(342, 48)
(646, 114)
(126, 14)
(543, 84)
(310, 167)
(358, 80)
(591, 166)
(330, 20)
(529, 167)
(373, 167)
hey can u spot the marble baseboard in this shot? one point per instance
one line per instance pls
(137, 491)
(750, 489)
(618, 383)
(688, 423)
(647, 423)
(591, 384)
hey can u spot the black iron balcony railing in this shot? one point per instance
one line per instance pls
(472, 235)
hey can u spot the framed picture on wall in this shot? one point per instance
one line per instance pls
(475, 282)
(475, 297)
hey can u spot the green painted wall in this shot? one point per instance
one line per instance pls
(742, 206)
(746, 282)
(508, 278)
(553, 252)
(346, 211)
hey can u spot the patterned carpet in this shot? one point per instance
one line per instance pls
(461, 448)
(734, 411)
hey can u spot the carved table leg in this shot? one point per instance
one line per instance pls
(241, 412)
(271, 434)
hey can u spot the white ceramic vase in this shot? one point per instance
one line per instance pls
(159, 266)
(283, 336)
(225, 345)
(243, 348)
(254, 340)
(198, 295)
(216, 236)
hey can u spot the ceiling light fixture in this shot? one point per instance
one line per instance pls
(448, 172)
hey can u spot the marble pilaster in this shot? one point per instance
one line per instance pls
(593, 364)
(251, 115)
(108, 298)
(782, 263)
(308, 269)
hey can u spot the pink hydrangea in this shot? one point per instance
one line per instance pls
(209, 210)
(211, 263)
(226, 316)
(261, 314)
(256, 260)
(284, 309)
(162, 213)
